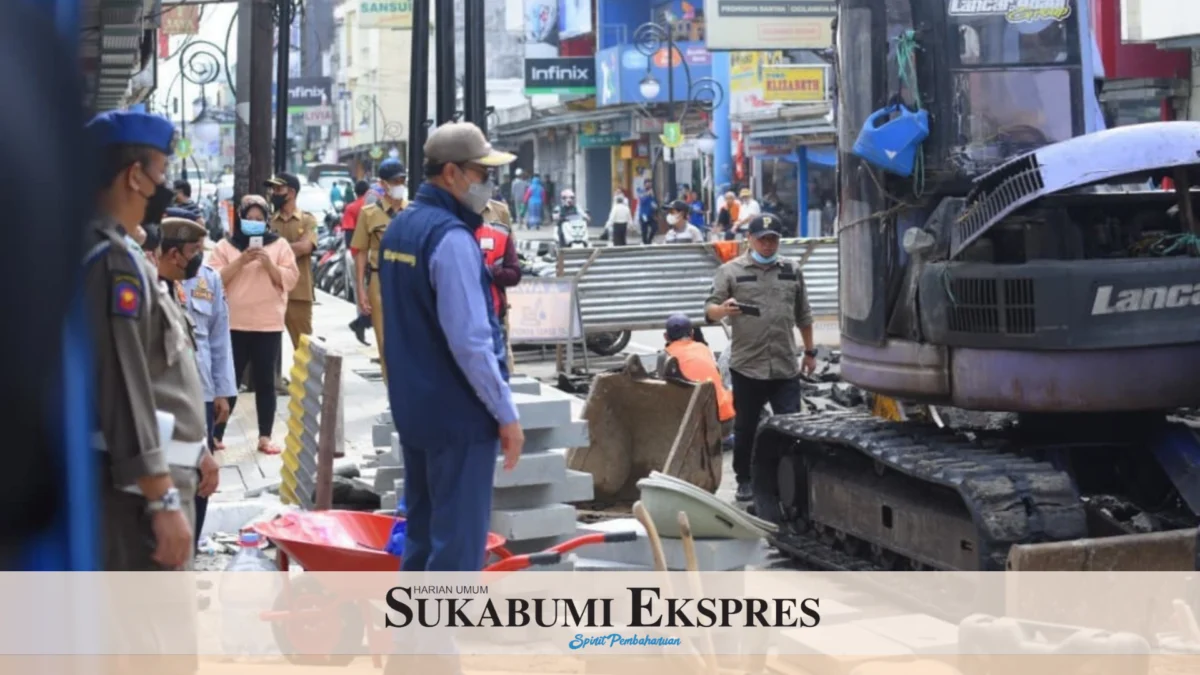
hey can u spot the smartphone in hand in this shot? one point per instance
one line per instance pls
(749, 310)
(256, 242)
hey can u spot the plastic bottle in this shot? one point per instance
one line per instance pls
(243, 598)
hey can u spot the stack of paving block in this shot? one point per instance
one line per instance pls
(531, 505)
(298, 472)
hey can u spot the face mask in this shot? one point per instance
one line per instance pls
(278, 201)
(193, 266)
(254, 228)
(398, 192)
(477, 197)
(157, 204)
(672, 218)
(762, 259)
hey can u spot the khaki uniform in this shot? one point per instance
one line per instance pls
(764, 347)
(145, 361)
(372, 222)
(296, 227)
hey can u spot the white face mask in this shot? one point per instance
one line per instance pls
(672, 218)
(398, 192)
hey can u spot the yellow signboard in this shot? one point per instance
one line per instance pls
(393, 14)
(794, 84)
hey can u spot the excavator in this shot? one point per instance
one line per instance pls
(1008, 265)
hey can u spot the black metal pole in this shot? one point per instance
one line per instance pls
(281, 84)
(671, 104)
(475, 70)
(446, 84)
(418, 96)
(183, 116)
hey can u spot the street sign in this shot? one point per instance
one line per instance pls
(309, 156)
(672, 135)
(376, 153)
(183, 149)
(599, 140)
(321, 116)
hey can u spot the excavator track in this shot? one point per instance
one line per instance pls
(859, 493)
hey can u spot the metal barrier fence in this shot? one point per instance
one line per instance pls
(638, 287)
(314, 426)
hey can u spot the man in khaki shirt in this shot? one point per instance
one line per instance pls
(372, 222)
(300, 230)
(764, 296)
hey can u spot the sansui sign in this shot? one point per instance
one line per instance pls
(560, 76)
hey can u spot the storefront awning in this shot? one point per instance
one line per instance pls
(803, 133)
(565, 119)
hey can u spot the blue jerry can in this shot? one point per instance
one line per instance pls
(892, 144)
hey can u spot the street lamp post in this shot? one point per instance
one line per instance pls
(392, 131)
(704, 92)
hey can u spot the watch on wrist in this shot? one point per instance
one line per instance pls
(810, 353)
(170, 501)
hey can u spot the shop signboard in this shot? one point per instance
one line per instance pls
(587, 141)
(786, 83)
(770, 146)
(755, 24)
(562, 75)
(746, 78)
(385, 14)
(621, 69)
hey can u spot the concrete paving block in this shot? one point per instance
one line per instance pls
(712, 555)
(537, 468)
(543, 521)
(384, 417)
(386, 477)
(393, 457)
(257, 484)
(381, 434)
(388, 502)
(230, 480)
(522, 384)
(229, 517)
(539, 412)
(572, 434)
(577, 486)
(270, 465)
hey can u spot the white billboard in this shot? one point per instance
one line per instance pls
(1155, 20)
(758, 25)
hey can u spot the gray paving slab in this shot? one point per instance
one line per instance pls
(385, 478)
(543, 521)
(573, 434)
(230, 480)
(535, 468)
(539, 412)
(576, 486)
(521, 384)
(381, 434)
(256, 482)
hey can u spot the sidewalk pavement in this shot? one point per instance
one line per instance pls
(245, 472)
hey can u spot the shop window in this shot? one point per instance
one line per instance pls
(780, 190)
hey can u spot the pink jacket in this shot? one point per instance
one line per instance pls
(256, 304)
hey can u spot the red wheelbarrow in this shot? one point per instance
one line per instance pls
(330, 621)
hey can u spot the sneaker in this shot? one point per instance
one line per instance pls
(744, 493)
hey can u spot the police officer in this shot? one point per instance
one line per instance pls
(449, 399)
(180, 261)
(299, 228)
(144, 360)
(764, 296)
(368, 233)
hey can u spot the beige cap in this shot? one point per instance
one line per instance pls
(461, 142)
(182, 229)
(745, 192)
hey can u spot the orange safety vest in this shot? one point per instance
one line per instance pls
(492, 242)
(697, 364)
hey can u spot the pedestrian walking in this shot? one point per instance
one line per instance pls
(535, 204)
(444, 351)
(368, 235)
(258, 269)
(517, 194)
(764, 296)
(147, 468)
(648, 213)
(299, 229)
(198, 289)
(679, 230)
(619, 219)
(362, 322)
(697, 215)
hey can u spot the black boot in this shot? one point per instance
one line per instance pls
(744, 492)
(359, 326)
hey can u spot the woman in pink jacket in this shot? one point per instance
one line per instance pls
(258, 269)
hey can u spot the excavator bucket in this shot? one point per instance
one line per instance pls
(638, 424)
(1173, 551)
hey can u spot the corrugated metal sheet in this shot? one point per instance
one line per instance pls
(638, 287)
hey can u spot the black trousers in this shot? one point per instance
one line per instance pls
(750, 396)
(619, 233)
(202, 502)
(649, 229)
(261, 351)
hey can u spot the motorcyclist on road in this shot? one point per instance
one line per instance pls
(566, 210)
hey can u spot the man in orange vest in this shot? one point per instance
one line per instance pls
(697, 364)
(500, 257)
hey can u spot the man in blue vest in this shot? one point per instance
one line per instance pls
(444, 355)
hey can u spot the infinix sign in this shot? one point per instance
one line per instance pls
(1145, 299)
(560, 76)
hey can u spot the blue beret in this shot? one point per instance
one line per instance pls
(121, 127)
(390, 168)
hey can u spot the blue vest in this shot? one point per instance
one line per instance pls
(433, 404)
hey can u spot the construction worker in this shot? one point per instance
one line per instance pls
(453, 408)
(299, 228)
(499, 250)
(697, 364)
(147, 380)
(367, 242)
